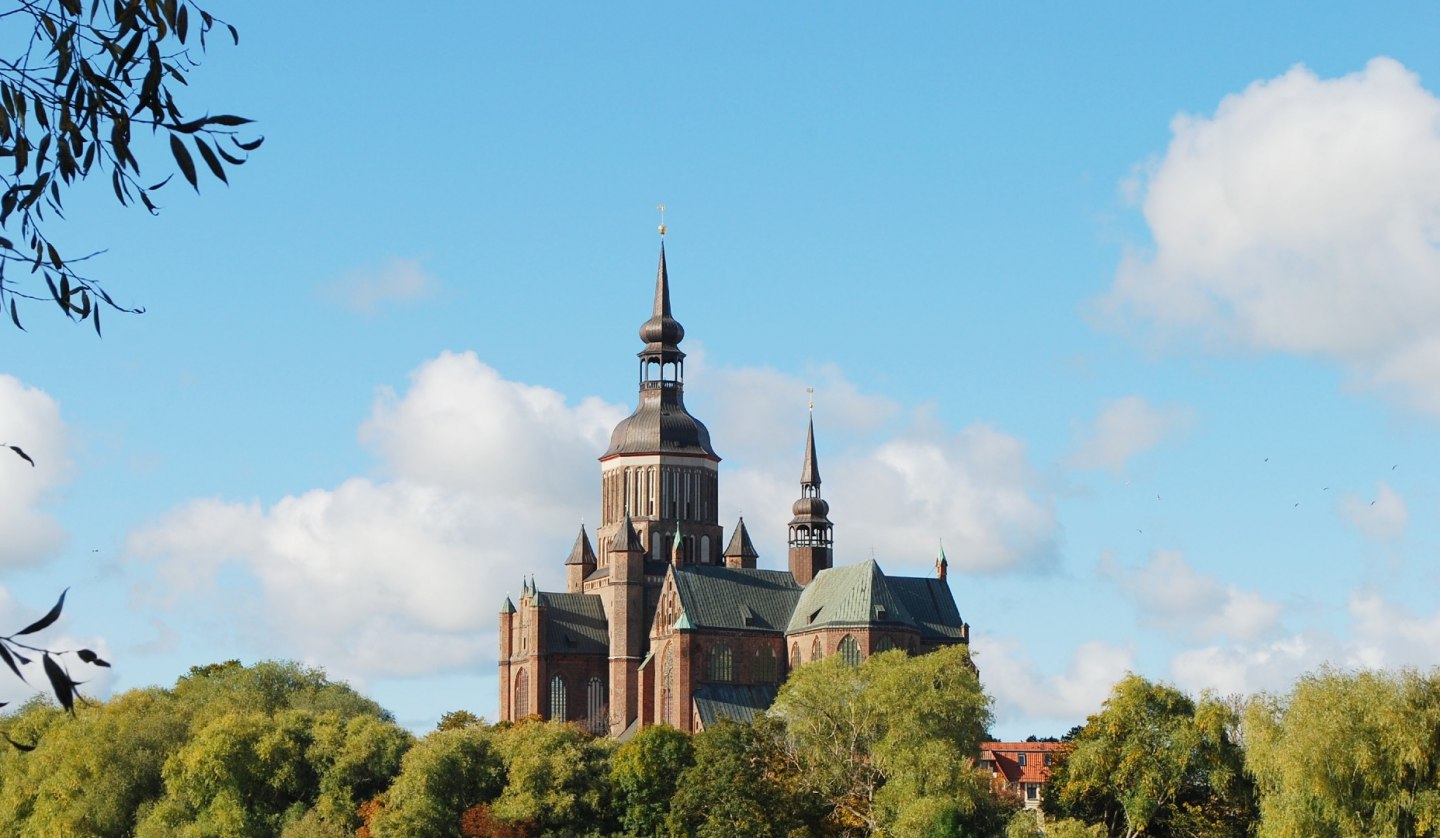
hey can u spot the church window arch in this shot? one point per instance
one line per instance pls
(885, 645)
(667, 686)
(849, 650)
(595, 705)
(764, 672)
(522, 695)
(722, 666)
(704, 549)
(816, 653)
(794, 656)
(559, 707)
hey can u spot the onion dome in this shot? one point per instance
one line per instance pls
(811, 508)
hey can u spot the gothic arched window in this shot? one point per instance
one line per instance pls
(721, 665)
(815, 652)
(794, 656)
(849, 650)
(595, 705)
(885, 645)
(558, 706)
(522, 695)
(667, 687)
(764, 672)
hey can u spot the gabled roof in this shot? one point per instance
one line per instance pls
(715, 597)
(850, 595)
(574, 624)
(932, 606)
(736, 702)
(1004, 756)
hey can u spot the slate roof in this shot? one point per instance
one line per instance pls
(715, 597)
(582, 553)
(932, 606)
(740, 544)
(574, 624)
(736, 702)
(851, 595)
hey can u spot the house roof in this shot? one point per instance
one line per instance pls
(1005, 756)
(851, 595)
(574, 624)
(736, 702)
(716, 597)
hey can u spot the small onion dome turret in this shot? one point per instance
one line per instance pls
(812, 508)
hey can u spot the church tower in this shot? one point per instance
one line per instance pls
(660, 469)
(811, 533)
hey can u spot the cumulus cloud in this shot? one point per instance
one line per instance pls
(1303, 217)
(1170, 595)
(1125, 428)
(30, 419)
(1020, 692)
(365, 291)
(1245, 669)
(1385, 634)
(486, 481)
(1383, 517)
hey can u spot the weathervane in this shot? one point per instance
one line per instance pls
(661, 207)
(811, 392)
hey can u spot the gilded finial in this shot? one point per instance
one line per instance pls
(661, 207)
(811, 392)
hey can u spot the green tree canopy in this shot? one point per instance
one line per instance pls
(1348, 754)
(644, 773)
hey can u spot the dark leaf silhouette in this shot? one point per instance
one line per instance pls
(9, 659)
(60, 682)
(48, 619)
(16, 448)
(90, 657)
(19, 746)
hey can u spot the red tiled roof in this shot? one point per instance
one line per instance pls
(1005, 757)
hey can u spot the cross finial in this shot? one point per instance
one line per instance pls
(810, 391)
(661, 207)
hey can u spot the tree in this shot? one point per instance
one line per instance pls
(644, 772)
(1155, 762)
(890, 745)
(1348, 754)
(445, 774)
(732, 790)
(83, 79)
(557, 778)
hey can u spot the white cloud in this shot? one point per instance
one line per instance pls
(1382, 517)
(1384, 634)
(1125, 428)
(488, 481)
(1245, 669)
(1170, 595)
(365, 291)
(1021, 693)
(30, 419)
(1302, 217)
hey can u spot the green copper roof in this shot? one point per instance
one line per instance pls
(507, 607)
(716, 597)
(736, 702)
(574, 624)
(850, 595)
(932, 606)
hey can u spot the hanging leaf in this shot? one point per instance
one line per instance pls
(16, 448)
(10, 662)
(60, 682)
(48, 619)
(211, 160)
(183, 160)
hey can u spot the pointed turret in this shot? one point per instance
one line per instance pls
(741, 552)
(942, 565)
(811, 533)
(580, 563)
(626, 540)
(677, 548)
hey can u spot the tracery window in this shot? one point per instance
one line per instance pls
(794, 656)
(667, 687)
(522, 695)
(765, 666)
(850, 650)
(721, 663)
(558, 706)
(595, 705)
(815, 652)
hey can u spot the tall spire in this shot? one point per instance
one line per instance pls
(662, 332)
(810, 473)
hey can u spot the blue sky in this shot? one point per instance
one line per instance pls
(1137, 308)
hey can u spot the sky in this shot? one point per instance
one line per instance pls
(1136, 308)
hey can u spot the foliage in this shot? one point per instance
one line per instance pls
(82, 79)
(644, 773)
(1348, 754)
(1154, 762)
(14, 655)
(732, 789)
(445, 774)
(890, 745)
(456, 719)
(557, 778)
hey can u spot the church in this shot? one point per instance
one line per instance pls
(657, 623)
